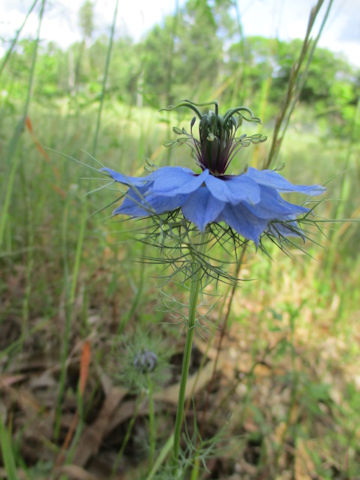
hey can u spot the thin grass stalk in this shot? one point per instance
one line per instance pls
(164, 452)
(224, 326)
(304, 74)
(77, 69)
(29, 258)
(16, 346)
(170, 63)
(105, 78)
(250, 375)
(169, 74)
(263, 104)
(70, 291)
(278, 134)
(69, 311)
(344, 187)
(78, 253)
(139, 292)
(345, 191)
(152, 430)
(7, 452)
(126, 438)
(14, 163)
(230, 296)
(239, 75)
(66, 333)
(196, 468)
(78, 431)
(194, 295)
(293, 395)
(16, 38)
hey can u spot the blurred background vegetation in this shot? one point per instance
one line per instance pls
(70, 275)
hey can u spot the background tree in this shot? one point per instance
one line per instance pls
(86, 24)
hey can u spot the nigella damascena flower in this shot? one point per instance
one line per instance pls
(145, 361)
(250, 203)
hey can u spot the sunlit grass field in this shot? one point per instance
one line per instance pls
(71, 274)
(274, 384)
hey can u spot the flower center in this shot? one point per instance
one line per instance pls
(217, 143)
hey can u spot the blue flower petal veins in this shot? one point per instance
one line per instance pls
(275, 180)
(243, 221)
(234, 189)
(172, 181)
(272, 206)
(126, 179)
(202, 208)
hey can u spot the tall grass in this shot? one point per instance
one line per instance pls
(7, 452)
(11, 158)
(71, 284)
(67, 277)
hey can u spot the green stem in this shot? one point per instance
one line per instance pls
(138, 296)
(14, 163)
(16, 38)
(126, 438)
(106, 73)
(7, 452)
(152, 432)
(161, 457)
(294, 84)
(194, 294)
(70, 291)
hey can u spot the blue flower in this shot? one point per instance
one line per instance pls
(250, 203)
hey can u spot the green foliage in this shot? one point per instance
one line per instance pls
(297, 317)
(86, 19)
(198, 52)
(7, 452)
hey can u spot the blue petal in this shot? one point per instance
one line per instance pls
(243, 221)
(234, 189)
(202, 208)
(160, 204)
(126, 179)
(133, 203)
(274, 180)
(171, 181)
(142, 202)
(273, 207)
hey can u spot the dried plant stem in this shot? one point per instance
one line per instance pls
(228, 302)
(296, 82)
(225, 323)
